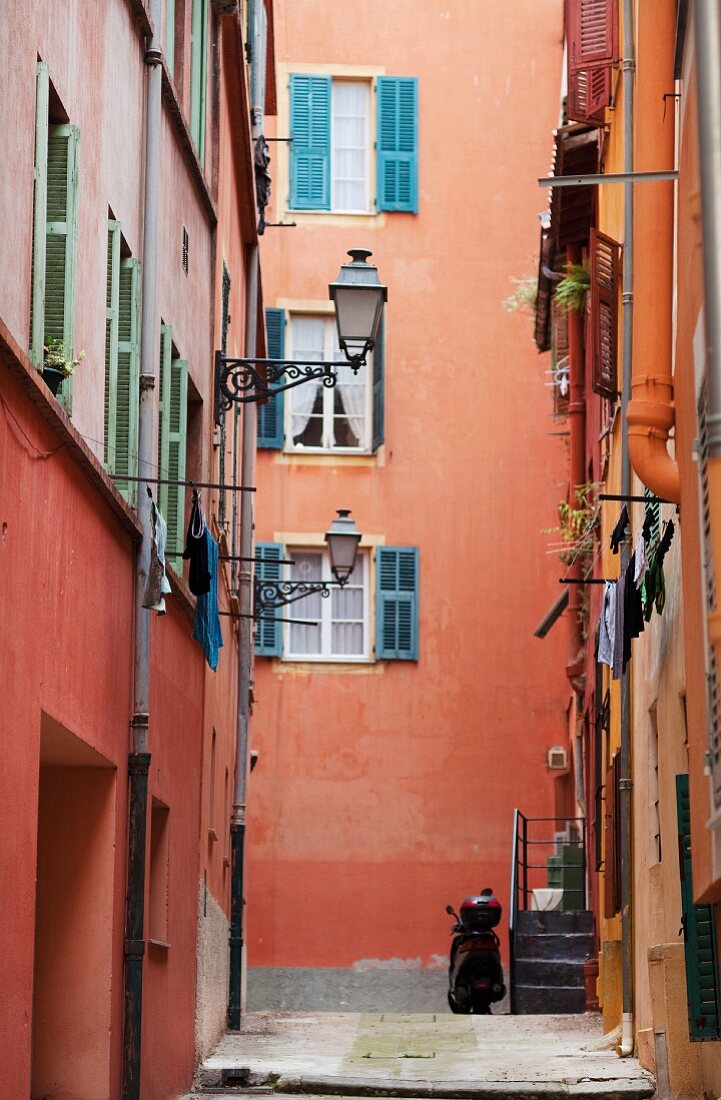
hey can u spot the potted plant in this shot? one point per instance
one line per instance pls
(58, 363)
(572, 290)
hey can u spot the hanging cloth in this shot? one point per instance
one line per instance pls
(607, 625)
(206, 627)
(641, 560)
(196, 550)
(633, 624)
(619, 532)
(618, 628)
(157, 585)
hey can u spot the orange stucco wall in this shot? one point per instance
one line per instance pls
(387, 790)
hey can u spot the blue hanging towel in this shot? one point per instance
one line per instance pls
(206, 628)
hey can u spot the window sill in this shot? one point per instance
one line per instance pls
(329, 458)
(323, 666)
(212, 835)
(161, 945)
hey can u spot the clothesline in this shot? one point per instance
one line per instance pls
(187, 484)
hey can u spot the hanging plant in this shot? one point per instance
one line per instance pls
(523, 298)
(572, 290)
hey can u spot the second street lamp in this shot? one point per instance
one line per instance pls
(358, 296)
(342, 539)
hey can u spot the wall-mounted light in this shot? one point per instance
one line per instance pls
(358, 296)
(342, 538)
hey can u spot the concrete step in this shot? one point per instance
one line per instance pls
(614, 1089)
(549, 973)
(569, 946)
(531, 922)
(540, 1000)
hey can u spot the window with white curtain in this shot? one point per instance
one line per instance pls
(350, 191)
(322, 418)
(328, 628)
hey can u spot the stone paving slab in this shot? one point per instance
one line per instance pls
(425, 1055)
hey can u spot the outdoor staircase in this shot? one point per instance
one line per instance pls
(550, 949)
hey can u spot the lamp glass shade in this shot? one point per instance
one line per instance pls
(358, 296)
(342, 539)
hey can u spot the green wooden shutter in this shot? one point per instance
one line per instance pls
(310, 147)
(40, 188)
(61, 243)
(702, 977)
(112, 293)
(127, 392)
(267, 632)
(397, 145)
(397, 603)
(379, 357)
(172, 445)
(198, 74)
(270, 415)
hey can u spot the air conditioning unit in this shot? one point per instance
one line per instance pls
(557, 758)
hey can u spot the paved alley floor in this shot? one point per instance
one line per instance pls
(423, 1055)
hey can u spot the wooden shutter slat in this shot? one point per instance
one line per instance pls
(604, 265)
(397, 603)
(700, 950)
(267, 633)
(111, 343)
(379, 355)
(310, 147)
(397, 151)
(271, 413)
(592, 39)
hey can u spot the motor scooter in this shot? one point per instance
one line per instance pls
(475, 974)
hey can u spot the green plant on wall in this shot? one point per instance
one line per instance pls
(572, 290)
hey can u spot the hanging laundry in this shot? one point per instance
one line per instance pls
(641, 560)
(206, 628)
(654, 591)
(648, 522)
(619, 532)
(196, 550)
(633, 624)
(607, 625)
(157, 585)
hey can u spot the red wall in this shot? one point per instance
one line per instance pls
(386, 791)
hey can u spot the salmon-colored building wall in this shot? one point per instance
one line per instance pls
(386, 790)
(67, 578)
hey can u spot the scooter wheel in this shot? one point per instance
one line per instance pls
(456, 1009)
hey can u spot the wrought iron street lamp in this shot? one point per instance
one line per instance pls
(342, 539)
(358, 296)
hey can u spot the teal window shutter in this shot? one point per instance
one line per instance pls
(170, 36)
(270, 415)
(310, 147)
(112, 296)
(700, 948)
(397, 576)
(40, 193)
(379, 355)
(172, 431)
(267, 633)
(397, 143)
(198, 74)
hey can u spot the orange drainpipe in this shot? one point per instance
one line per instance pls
(577, 474)
(651, 413)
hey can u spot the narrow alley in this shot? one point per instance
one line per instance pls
(421, 1055)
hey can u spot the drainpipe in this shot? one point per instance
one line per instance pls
(650, 411)
(237, 825)
(577, 433)
(628, 67)
(708, 70)
(139, 759)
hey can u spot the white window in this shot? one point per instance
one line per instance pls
(322, 418)
(350, 190)
(328, 628)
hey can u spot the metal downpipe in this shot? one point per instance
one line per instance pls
(237, 825)
(139, 759)
(628, 66)
(707, 27)
(575, 663)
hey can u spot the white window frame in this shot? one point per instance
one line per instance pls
(366, 208)
(328, 393)
(295, 611)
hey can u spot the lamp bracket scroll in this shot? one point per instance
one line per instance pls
(239, 381)
(272, 595)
